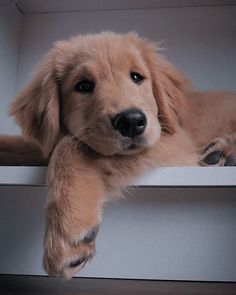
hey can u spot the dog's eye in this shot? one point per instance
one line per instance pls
(136, 77)
(84, 86)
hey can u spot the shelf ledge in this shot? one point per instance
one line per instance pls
(160, 177)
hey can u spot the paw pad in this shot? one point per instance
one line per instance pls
(213, 158)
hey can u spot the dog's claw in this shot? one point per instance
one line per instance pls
(78, 262)
(91, 235)
(68, 258)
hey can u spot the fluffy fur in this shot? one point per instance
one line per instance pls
(89, 159)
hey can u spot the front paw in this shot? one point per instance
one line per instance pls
(220, 152)
(65, 253)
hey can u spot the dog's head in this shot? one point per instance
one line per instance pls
(112, 92)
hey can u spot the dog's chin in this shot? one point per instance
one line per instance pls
(138, 145)
(112, 146)
(112, 151)
(132, 150)
(120, 149)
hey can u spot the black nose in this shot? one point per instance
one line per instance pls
(130, 123)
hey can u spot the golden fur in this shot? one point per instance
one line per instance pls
(89, 160)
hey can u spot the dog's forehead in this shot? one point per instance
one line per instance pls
(116, 49)
(99, 56)
(112, 53)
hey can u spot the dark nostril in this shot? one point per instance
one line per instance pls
(130, 123)
(120, 122)
(140, 123)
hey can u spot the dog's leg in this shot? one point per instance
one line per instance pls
(78, 186)
(73, 210)
(16, 150)
(220, 152)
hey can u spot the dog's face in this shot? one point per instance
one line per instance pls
(110, 92)
(107, 100)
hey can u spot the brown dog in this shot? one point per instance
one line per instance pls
(104, 108)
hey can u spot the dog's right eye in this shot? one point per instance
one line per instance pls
(136, 77)
(84, 86)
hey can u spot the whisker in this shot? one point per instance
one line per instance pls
(162, 116)
(165, 127)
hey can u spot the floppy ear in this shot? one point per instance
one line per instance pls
(168, 90)
(36, 108)
(167, 82)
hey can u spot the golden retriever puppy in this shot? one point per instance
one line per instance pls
(105, 108)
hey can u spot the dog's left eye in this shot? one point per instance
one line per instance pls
(136, 77)
(84, 86)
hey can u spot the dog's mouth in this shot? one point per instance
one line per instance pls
(133, 147)
(126, 147)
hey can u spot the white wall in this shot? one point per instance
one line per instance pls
(200, 41)
(10, 27)
(165, 234)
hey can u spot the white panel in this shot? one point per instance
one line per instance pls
(157, 234)
(39, 6)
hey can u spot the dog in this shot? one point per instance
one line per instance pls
(100, 110)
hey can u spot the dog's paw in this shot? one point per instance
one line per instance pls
(221, 152)
(64, 256)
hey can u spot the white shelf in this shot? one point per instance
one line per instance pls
(189, 176)
(161, 177)
(23, 175)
